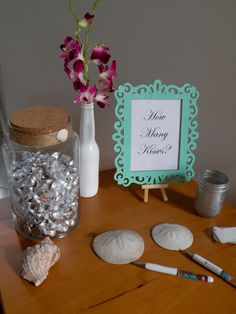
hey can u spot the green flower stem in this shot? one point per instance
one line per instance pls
(77, 33)
(78, 30)
(73, 11)
(96, 2)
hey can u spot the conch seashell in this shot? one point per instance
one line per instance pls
(172, 236)
(37, 260)
(119, 246)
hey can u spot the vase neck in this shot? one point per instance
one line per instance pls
(87, 124)
(87, 106)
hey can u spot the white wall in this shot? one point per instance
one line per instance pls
(175, 41)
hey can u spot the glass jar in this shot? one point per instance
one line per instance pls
(41, 158)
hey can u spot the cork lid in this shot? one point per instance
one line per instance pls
(39, 126)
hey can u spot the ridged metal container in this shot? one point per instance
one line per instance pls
(212, 188)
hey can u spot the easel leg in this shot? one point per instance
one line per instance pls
(164, 195)
(145, 195)
(162, 187)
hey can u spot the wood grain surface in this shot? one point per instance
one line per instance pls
(82, 283)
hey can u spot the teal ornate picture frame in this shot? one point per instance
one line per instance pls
(155, 133)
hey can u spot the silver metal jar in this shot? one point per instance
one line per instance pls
(41, 159)
(212, 188)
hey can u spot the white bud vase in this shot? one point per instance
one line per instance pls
(89, 153)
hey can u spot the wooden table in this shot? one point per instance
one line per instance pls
(82, 283)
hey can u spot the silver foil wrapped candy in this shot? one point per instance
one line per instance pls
(44, 194)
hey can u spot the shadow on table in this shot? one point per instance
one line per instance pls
(180, 200)
(209, 233)
(136, 191)
(175, 198)
(13, 257)
(14, 253)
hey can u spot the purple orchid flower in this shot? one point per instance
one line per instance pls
(67, 54)
(76, 63)
(76, 74)
(87, 20)
(110, 87)
(86, 94)
(72, 49)
(89, 94)
(100, 54)
(78, 68)
(108, 74)
(101, 99)
(78, 50)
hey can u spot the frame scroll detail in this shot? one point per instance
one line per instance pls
(188, 135)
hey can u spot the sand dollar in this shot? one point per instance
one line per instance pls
(119, 246)
(172, 236)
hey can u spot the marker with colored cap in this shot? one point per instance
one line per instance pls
(214, 268)
(174, 271)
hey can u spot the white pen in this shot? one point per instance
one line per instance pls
(174, 271)
(209, 265)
